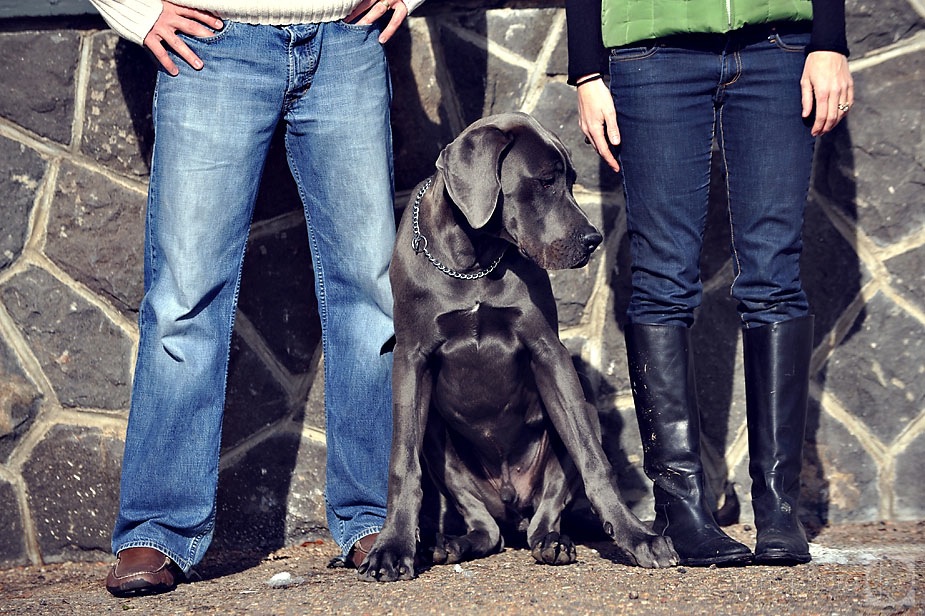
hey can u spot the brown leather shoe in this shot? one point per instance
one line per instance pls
(360, 550)
(142, 571)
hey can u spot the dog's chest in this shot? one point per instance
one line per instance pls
(479, 333)
(481, 361)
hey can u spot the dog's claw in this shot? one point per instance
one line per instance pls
(655, 552)
(555, 549)
(386, 565)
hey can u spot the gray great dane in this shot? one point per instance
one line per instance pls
(485, 396)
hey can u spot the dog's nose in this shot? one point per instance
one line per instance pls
(591, 240)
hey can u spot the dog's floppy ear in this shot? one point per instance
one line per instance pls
(471, 167)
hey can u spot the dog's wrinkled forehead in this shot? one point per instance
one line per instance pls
(530, 133)
(536, 148)
(472, 163)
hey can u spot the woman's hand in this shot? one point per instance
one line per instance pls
(597, 118)
(828, 87)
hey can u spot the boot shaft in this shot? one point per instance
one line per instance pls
(662, 377)
(777, 364)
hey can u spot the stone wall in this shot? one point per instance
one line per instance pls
(75, 141)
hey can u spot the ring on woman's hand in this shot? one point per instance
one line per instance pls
(843, 106)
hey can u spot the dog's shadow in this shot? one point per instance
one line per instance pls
(579, 521)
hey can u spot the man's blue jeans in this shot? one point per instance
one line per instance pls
(672, 98)
(329, 85)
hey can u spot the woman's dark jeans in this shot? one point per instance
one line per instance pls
(673, 97)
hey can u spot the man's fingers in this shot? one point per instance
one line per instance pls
(179, 19)
(399, 13)
(377, 10)
(155, 41)
(197, 29)
(200, 17)
(154, 45)
(369, 11)
(183, 50)
(359, 10)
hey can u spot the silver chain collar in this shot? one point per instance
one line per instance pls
(419, 243)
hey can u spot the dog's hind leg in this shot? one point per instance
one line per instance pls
(546, 543)
(483, 535)
(474, 544)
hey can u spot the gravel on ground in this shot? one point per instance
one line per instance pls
(872, 568)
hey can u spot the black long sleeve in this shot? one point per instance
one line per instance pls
(829, 27)
(586, 52)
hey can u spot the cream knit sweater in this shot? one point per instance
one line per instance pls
(133, 19)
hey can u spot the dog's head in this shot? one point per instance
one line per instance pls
(511, 177)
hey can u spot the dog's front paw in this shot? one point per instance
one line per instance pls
(654, 552)
(388, 562)
(555, 549)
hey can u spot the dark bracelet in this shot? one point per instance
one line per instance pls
(588, 79)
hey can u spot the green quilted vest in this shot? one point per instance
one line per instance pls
(630, 21)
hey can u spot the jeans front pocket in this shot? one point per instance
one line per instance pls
(216, 36)
(357, 27)
(627, 54)
(796, 41)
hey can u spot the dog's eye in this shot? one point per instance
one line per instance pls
(548, 182)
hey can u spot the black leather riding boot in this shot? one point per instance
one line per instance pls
(777, 360)
(662, 376)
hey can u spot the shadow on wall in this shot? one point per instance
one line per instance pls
(833, 277)
(137, 72)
